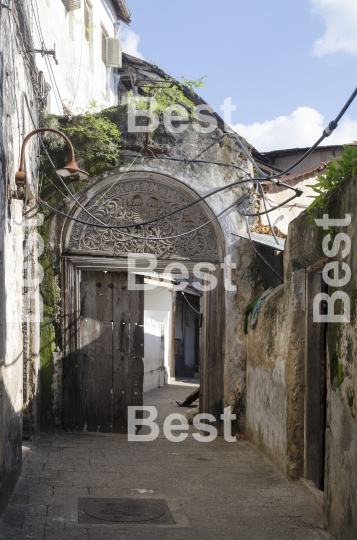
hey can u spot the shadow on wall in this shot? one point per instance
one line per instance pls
(11, 419)
(11, 372)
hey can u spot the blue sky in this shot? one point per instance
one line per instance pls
(289, 66)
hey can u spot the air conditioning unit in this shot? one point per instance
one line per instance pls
(72, 5)
(114, 52)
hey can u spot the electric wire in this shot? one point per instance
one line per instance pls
(260, 255)
(114, 183)
(42, 44)
(232, 166)
(138, 237)
(326, 133)
(30, 210)
(79, 69)
(175, 211)
(245, 214)
(148, 222)
(48, 64)
(266, 212)
(249, 156)
(274, 204)
(212, 144)
(188, 161)
(191, 306)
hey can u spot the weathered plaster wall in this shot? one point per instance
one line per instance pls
(266, 388)
(341, 434)
(17, 74)
(341, 430)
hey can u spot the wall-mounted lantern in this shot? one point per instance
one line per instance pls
(69, 170)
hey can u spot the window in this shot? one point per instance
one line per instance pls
(86, 21)
(104, 44)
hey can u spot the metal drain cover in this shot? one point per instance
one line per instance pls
(143, 511)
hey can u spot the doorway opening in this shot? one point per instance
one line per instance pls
(315, 384)
(172, 329)
(187, 335)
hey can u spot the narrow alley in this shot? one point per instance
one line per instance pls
(196, 491)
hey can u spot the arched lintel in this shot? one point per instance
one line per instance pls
(105, 185)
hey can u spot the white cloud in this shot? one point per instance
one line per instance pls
(300, 129)
(131, 42)
(340, 17)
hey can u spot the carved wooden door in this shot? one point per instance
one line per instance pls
(110, 355)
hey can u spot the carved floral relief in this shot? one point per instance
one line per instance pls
(137, 202)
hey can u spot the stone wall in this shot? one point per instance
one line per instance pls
(266, 387)
(277, 391)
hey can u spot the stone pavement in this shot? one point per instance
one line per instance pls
(215, 491)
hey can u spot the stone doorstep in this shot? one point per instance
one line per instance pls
(311, 489)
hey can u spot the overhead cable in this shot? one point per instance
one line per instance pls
(261, 256)
(140, 237)
(189, 303)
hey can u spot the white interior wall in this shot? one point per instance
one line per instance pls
(157, 337)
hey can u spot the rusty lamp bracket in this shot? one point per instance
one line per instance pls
(71, 170)
(51, 52)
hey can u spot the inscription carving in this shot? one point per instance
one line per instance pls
(136, 202)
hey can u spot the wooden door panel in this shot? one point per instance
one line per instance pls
(136, 345)
(121, 366)
(96, 350)
(110, 356)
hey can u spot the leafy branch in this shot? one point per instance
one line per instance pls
(337, 170)
(169, 93)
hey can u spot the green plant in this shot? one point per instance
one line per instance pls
(192, 84)
(168, 93)
(337, 170)
(96, 141)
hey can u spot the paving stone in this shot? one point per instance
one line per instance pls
(9, 533)
(66, 534)
(217, 491)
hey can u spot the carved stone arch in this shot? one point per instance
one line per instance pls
(136, 198)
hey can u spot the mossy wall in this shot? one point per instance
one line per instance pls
(96, 141)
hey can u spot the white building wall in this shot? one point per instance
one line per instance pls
(282, 217)
(18, 114)
(81, 75)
